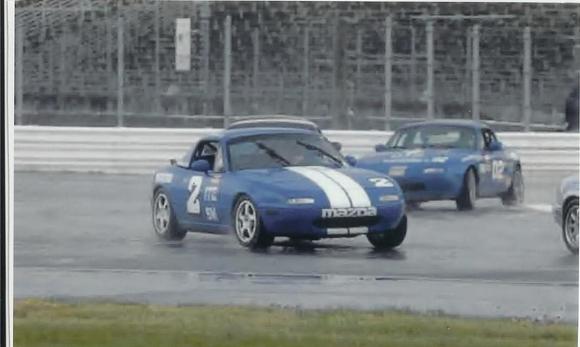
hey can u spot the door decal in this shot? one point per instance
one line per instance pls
(211, 214)
(497, 169)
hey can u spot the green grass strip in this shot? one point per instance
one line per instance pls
(41, 323)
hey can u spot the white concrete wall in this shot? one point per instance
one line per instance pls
(142, 150)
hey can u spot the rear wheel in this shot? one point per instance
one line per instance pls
(570, 226)
(515, 194)
(248, 227)
(164, 221)
(390, 238)
(468, 195)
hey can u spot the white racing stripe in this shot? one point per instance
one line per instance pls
(341, 192)
(356, 192)
(540, 207)
(334, 193)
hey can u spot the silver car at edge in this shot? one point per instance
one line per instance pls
(565, 211)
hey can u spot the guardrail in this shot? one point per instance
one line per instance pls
(142, 150)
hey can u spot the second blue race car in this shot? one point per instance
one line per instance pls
(262, 183)
(449, 160)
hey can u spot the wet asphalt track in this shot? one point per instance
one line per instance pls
(89, 236)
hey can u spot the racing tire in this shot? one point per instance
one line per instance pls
(468, 194)
(515, 194)
(164, 221)
(570, 226)
(391, 238)
(247, 225)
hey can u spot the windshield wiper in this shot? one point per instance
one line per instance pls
(321, 151)
(273, 154)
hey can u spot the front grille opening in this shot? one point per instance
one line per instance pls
(413, 186)
(347, 222)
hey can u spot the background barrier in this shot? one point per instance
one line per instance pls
(107, 63)
(142, 150)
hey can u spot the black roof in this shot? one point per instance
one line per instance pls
(449, 122)
(274, 122)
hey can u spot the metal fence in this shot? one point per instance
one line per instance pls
(89, 62)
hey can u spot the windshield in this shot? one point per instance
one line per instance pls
(281, 150)
(434, 137)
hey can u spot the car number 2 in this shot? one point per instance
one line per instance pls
(194, 187)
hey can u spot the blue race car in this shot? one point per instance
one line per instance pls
(262, 183)
(449, 160)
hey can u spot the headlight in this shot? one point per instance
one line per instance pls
(300, 201)
(387, 198)
(434, 170)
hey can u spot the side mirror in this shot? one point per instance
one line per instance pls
(337, 145)
(380, 147)
(495, 146)
(350, 160)
(173, 162)
(200, 165)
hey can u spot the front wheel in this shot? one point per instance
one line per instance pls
(515, 194)
(164, 220)
(391, 238)
(468, 195)
(248, 227)
(570, 226)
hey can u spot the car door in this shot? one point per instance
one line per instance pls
(485, 187)
(211, 194)
(198, 189)
(497, 165)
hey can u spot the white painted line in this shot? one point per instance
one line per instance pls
(284, 276)
(540, 207)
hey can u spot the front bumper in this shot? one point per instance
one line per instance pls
(307, 222)
(427, 187)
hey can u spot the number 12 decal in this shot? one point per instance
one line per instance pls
(497, 169)
(194, 187)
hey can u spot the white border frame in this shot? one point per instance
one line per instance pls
(9, 24)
